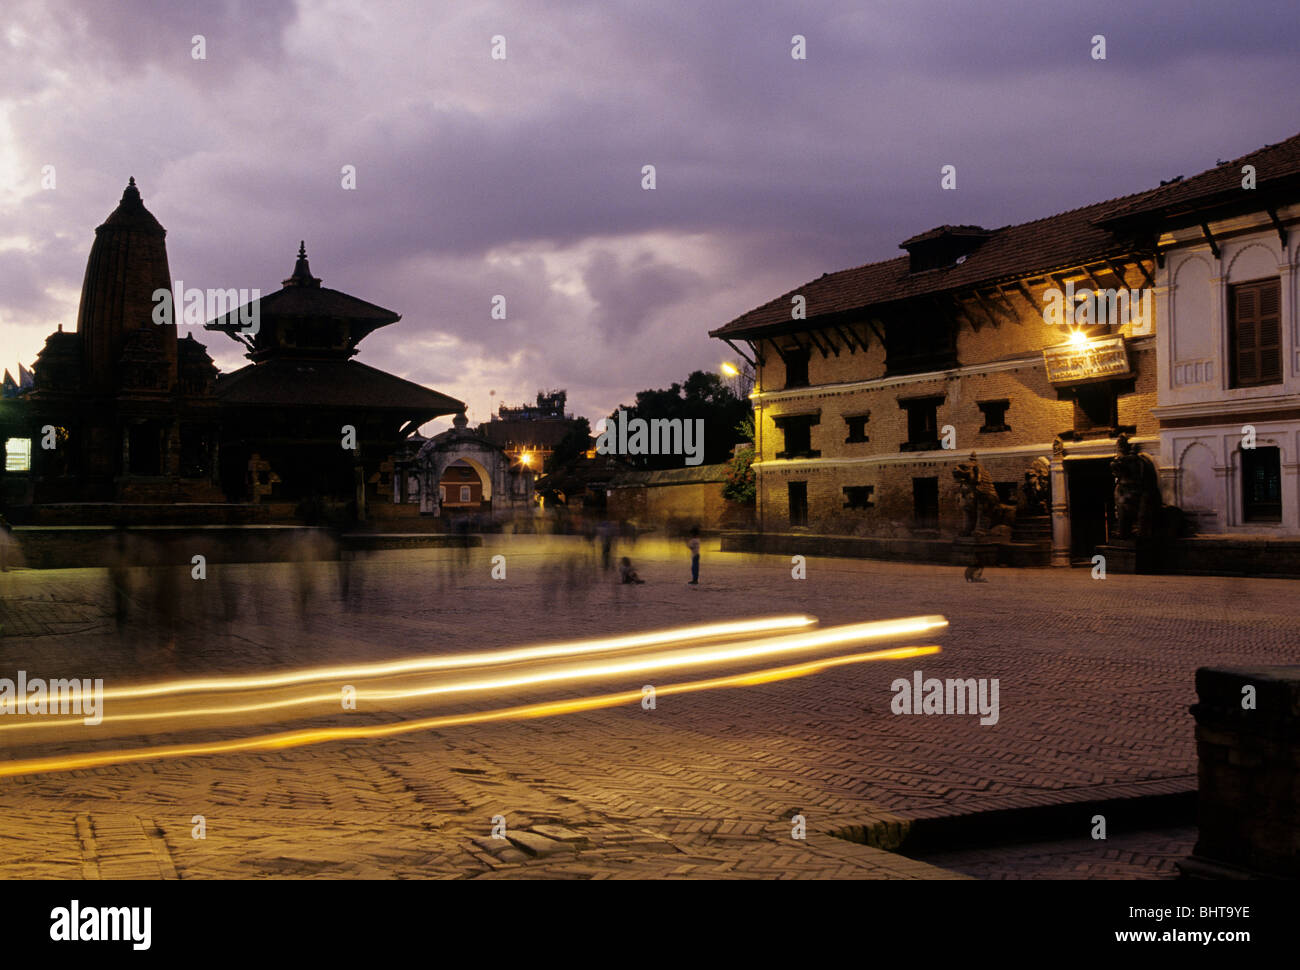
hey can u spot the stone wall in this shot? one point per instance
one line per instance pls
(689, 504)
(800, 544)
(1231, 556)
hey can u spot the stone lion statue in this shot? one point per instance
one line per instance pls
(979, 499)
(1036, 492)
(1137, 491)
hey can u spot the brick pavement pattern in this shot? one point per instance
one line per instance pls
(1095, 676)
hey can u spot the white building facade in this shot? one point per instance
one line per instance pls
(1229, 346)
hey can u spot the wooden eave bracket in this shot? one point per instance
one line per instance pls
(1209, 237)
(872, 323)
(984, 308)
(740, 352)
(848, 341)
(812, 336)
(1277, 224)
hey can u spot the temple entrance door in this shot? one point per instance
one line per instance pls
(145, 448)
(1092, 506)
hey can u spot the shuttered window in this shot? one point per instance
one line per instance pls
(1256, 321)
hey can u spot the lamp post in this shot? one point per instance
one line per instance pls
(741, 378)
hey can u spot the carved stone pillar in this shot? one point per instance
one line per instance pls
(1060, 507)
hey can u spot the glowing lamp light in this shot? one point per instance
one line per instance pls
(1078, 338)
(729, 369)
(526, 460)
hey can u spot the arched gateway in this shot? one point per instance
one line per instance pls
(499, 485)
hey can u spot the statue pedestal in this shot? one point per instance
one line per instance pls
(1127, 556)
(975, 551)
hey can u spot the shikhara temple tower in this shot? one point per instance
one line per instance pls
(128, 262)
(132, 407)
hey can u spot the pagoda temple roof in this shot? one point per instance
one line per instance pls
(303, 299)
(329, 382)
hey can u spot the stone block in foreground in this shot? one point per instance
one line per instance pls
(1248, 753)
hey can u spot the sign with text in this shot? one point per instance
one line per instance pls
(1092, 360)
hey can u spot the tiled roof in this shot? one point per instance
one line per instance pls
(1057, 242)
(1272, 163)
(938, 231)
(303, 299)
(310, 302)
(289, 382)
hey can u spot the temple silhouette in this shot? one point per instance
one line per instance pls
(137, 417)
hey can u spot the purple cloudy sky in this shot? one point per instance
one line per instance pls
(523, 177)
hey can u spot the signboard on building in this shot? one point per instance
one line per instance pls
(1090, 360)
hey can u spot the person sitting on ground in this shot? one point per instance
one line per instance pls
(626, 573)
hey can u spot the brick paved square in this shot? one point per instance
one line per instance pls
(1095, 681)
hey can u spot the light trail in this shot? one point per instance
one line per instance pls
(296, 739)
(854, 633)
(733, 628)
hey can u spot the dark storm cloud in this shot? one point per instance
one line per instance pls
(137, 34)
(627, 294)
(523, 177)
(20, 281)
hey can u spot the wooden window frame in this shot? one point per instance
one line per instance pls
(1249, 346)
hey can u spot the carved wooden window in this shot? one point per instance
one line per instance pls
(857, 425)
(796, 367)
(995, 416)
(859, 496)
(797, 431)
(922, 423)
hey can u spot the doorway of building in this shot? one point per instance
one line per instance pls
(925, 502)
(144, 449)
(1092, 506)
(798, 493)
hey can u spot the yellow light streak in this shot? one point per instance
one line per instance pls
(811, 640)
(295, 739)
(307, 675)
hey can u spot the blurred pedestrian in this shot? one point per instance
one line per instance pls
(693, 543)
(8, 546)
(606, 531)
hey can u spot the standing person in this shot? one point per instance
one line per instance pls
(6, 537)
(693, 543)
(606, 532)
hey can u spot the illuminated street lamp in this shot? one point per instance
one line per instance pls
(741, 379)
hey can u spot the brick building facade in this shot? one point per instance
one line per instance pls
(874, 383)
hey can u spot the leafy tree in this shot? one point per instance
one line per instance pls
(574, 443)
(704, 396)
